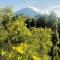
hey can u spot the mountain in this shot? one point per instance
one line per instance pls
(28, 11)
(32, 11)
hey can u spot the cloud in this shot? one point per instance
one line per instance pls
(56, 6)
(34, 8)
(56, 9)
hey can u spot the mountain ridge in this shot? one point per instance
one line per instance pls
(32, 11)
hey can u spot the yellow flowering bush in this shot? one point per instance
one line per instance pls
(36, 57)
(3, 52)
(29, 34)
(21, 48)
(17, 42)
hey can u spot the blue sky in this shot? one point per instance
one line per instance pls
(19, 4)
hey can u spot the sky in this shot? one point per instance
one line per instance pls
(19, 4)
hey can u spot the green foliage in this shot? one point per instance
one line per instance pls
(18, 30)
(17, 42)
(41, 40)
(3, 35)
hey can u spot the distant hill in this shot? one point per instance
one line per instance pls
(28, 11)
(32, 11)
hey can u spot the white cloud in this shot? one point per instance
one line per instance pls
(34, 8)
(56, 9)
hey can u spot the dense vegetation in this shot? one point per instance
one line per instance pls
(27, 38)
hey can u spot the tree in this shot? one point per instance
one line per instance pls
(42, 21)
(52, 19)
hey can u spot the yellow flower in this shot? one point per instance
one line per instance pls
(29, 34)
(3, 53)
(36, 57)
(19, 49)
(14, 48)
(19, 58)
